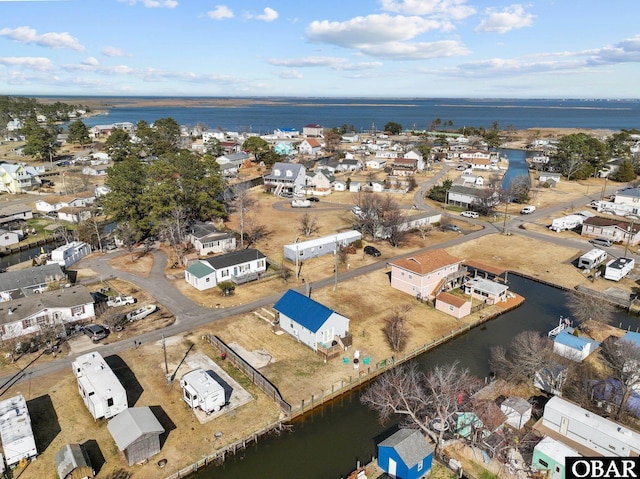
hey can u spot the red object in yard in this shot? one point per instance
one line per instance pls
(223, 356)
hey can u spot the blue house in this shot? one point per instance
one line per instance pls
(405, 455)
(573, 347)
(310, 322)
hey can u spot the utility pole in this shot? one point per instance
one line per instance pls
(335, 266)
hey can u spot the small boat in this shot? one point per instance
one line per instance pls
(141, 313)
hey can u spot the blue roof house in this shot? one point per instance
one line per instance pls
(405, 455)
(310, 322)
(573, 347)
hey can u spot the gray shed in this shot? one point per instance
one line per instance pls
(136, 432)
(72, 462)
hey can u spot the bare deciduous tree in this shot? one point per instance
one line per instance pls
(91, 231)
(173, 230)
(393, 222)
(254, 231)
(396, 329)
(424, 229)
(243, 202)
(369, 221)
(623, 360)
(528, 353)
(285, 273)
(421, 398)
(308, 224)
(585, 307)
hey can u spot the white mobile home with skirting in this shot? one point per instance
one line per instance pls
(100, 389)
(320, 246)
(595, 433)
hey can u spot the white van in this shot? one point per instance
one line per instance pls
(527, 210)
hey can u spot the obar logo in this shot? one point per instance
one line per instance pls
(602, 467)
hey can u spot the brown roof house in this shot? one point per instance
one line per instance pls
(427, 274)
(136, 432)
(618, 231)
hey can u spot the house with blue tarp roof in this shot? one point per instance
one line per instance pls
(632, 337)
(310, 322)
(573, 347)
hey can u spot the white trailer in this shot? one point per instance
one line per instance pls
(592, 259)
(320, 246)
(618, 268)
(18, 441)
(566, 223)
(200, 390)
(100, 389)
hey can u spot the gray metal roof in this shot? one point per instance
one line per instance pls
(234, 258)
(203, 230)
(410, 445)
(131, 424)
(71, 457)
(22, 282)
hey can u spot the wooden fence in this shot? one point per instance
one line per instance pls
(252, 373)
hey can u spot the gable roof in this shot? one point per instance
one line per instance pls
(574, 342)
(427, 262)
(131, 424)
(25, 278)
(602, 221)
(202, 230)
(18, 309)
(200, 269)
(410, 444)
(283, 168)
(452, 299)
(234, 258)
(303, 310)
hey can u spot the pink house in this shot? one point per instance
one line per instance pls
(453, 305)
(426, 274)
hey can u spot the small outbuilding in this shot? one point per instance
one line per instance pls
(517, 410)
(72, 462)
(576, 348)
(136, 432)
(405, 455)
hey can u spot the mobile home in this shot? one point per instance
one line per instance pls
(320, 246)
(595, 434)
(69, 253)
(550, 455)
(592, 259)
(100, 389)
(200, 390)
(566, 223)
(18, 441)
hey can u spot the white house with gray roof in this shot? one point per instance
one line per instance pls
(207, 239)
(285, 178)
(27, 282)
(238, 267)
(30, 314)
(486, 290)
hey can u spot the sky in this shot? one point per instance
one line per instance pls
(329, 48)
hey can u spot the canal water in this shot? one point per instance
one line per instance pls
(517, 164)
(328, 442)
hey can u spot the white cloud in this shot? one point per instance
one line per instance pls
(50, 40)
(268, 15)
(289, 75)
(417, 51)
(91, 61)
(334, 63)
(153, 3)
(510, 18)
(452, 9)
(625, 51)
(34, 63)
(112, 52)
(369, 30)
(220, 13)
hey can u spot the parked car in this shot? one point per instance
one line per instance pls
(314, 199)
(452, 228)
(470, 214)
(114, 301)
(96, 332)
(601, 242)
(372, 251)
(527, 210)
(594, 204)
(356, 211)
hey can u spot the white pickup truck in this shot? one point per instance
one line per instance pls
(114, 301)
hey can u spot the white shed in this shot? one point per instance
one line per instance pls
(320, 246)
(200, 390)
(517, 410)
(100, 389)
(15, 430)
